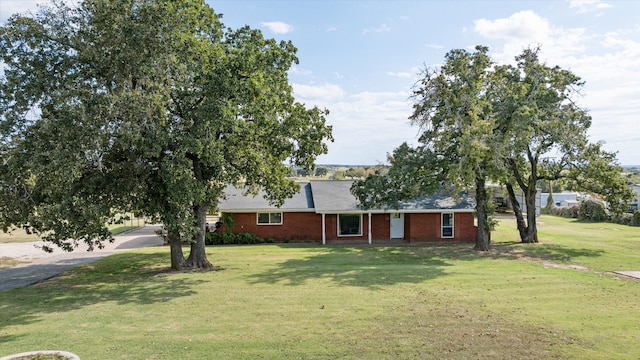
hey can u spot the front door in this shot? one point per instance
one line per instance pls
(397, 226)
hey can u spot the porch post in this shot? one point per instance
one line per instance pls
(369, 228)
(324, 231)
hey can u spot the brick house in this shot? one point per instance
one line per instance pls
(326, 211)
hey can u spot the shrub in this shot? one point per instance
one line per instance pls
(635, 219)
(622, 219)
(567, 212)
(225, 238)
(591, 210)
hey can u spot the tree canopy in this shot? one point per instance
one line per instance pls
(510, 124)
(145, 106)
(456, 133)
(543, 136)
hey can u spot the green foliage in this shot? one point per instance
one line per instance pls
(565, 211)
(636, 219)
(454, 115)
(227, 238)
(591, 210)
(623, 219)
(321, 171)
(229, 221)
(413, 173)
(159, 123)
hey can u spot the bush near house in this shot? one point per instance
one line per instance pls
(225, 238)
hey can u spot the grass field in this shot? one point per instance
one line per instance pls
(555, 300)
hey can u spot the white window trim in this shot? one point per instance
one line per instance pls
(452, 225)
(348, 235)
(269, 212)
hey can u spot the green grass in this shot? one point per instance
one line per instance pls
(552, 300)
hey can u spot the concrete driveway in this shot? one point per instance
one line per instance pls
(43, 265)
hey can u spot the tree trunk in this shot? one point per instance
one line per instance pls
(177, 257)
(198, 255)
(515, 204)
(482, 236)
(532, 229)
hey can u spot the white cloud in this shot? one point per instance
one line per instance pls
(435, 46)
(404, 75)
(583, 6)
(278, 27)
(527, 29)
(317, 95)
(10, 7)
(300, 71)
(379, 29)
(366, 125)
(607, 62)
(521, 26)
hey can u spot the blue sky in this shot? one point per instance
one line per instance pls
(360, 59)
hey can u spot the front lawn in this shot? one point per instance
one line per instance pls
(556, 300)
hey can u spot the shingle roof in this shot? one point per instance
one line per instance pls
(237, 201)
(330, 196)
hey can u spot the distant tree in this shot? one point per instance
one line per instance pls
(302, 172)
(321, 171)
(339, 175)
(92, 125)
(355, 173)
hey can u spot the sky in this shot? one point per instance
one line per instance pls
(361, 59)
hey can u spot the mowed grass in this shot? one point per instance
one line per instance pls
(555, 300)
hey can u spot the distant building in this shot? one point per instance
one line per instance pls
(558, 198)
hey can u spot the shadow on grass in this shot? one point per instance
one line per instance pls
(377, 266)
(364, 266)
(543, 252)
(123, 278)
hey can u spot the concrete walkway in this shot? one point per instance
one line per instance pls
(633, 274)
(43, 265)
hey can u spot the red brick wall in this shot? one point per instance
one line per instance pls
(308, 226)
(295, 226)
(380, 227)
(427, 227)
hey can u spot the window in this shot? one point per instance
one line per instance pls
(349, 224)
(447, 225)
(270, 218)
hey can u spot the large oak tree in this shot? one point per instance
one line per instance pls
(543, 136)
(150, 106)
(456, 124)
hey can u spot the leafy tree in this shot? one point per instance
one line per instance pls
(355, 173)
(412, 173)
(321, 171)
(544, 135)
(451, 108)
(151, 106)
